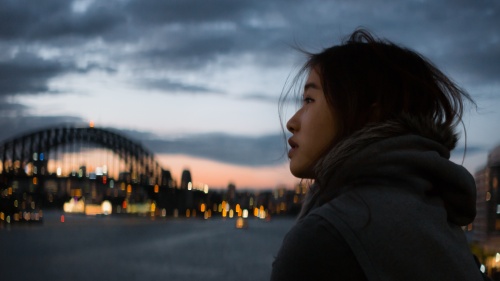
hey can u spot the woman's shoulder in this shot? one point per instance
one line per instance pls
(313, 249)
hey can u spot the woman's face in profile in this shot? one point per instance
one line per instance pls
(314, 128)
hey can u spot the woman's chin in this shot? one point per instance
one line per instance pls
(301, 173)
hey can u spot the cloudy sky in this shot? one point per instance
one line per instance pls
(197, 82)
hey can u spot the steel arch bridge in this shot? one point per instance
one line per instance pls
(34, 148)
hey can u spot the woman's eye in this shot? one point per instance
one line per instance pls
(307, 100)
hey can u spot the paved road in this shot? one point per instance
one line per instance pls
(134, 248)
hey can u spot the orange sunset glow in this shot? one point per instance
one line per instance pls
(219, 175)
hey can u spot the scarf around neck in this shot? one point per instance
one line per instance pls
(398, 144)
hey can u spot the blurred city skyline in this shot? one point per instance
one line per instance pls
(198, 83)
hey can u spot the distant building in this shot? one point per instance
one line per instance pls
(485, 229)
(486, 226)
(186, 180)
(166, 178)
(231, 192)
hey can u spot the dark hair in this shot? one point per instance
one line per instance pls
(366, 79)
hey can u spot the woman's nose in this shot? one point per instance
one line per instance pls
(292, 124)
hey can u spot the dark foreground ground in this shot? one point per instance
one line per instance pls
(138, 248)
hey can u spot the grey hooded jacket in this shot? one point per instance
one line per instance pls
(387, 205)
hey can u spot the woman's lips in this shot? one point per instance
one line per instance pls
(293, 147)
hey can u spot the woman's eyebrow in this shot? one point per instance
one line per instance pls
(311, 85)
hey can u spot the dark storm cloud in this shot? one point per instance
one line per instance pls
(189, 53)
(10, 109)
(465, 39)
(188, 11)
(460, 35)
(239, 150)
(173, 86)
(173, 35)
(27, 73)
(203, 30)
(191, 34)
(480, 64)
(232, 149)
(49, 19)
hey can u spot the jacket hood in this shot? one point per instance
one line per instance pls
(406, 154)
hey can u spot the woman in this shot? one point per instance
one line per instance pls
(374, 133)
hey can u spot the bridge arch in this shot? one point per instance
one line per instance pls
(34, 149)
